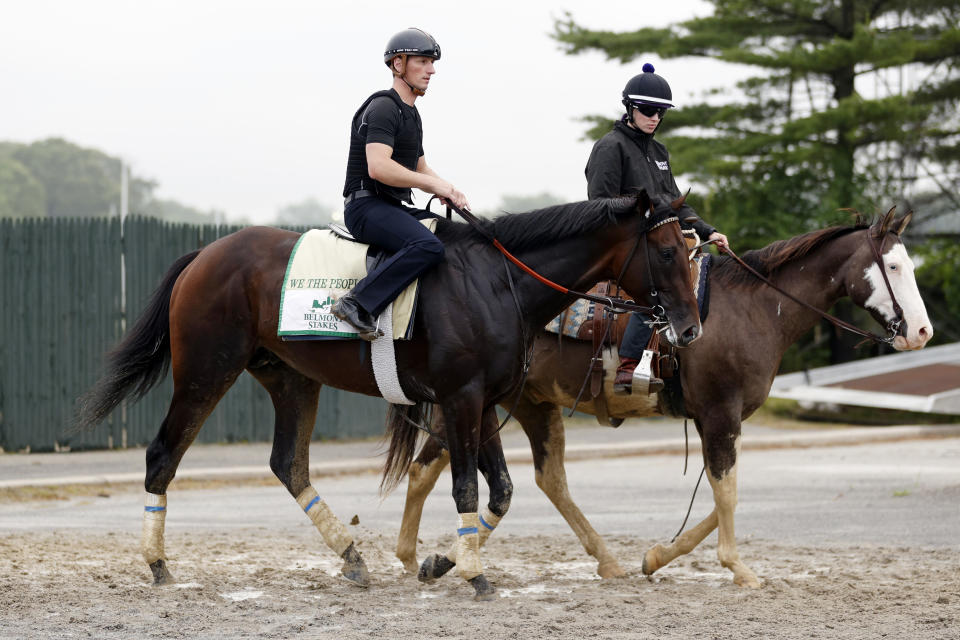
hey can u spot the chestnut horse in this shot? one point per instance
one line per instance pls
(215, 315)
(724, 377)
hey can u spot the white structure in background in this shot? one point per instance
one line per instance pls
(927, 381)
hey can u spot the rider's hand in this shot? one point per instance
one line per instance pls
(720, 240)
(448, 193)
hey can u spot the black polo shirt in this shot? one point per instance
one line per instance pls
(386, 119)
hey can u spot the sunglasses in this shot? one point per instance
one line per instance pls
(649, 111)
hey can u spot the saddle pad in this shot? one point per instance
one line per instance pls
(569, 321)
(322, 268)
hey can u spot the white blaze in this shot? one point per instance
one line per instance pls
(900, 272)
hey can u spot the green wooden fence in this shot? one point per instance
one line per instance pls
(60, 288)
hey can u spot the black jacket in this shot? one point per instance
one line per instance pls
(625, 161)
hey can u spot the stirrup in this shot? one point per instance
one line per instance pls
(643, 374)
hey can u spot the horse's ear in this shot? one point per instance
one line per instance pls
(643, 201)
(902, 223)
(691, 219)
(676, 204)
(887, 220)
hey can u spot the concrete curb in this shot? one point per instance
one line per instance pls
(786, 440)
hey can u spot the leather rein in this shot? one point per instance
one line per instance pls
(620, 306)
(616, 305)
(893, 327)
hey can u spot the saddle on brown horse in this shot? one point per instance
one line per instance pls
(599, 324)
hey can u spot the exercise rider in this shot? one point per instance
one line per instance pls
(625, 161)
(386, 160)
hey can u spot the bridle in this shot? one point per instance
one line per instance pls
(616, 305)
(893, 326)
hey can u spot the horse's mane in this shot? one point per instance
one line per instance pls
(776, 255)
(518, 231)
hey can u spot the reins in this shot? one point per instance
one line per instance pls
(893, 326)
(616, 305)
(620, 305)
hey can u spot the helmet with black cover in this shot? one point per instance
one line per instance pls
(647, 92)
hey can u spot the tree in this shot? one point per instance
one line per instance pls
(21, 195)
(78, 181)
(828, 121)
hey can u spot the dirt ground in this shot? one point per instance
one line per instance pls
(260, 582)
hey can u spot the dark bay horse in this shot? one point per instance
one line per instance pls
(725, 376)
(215, 315)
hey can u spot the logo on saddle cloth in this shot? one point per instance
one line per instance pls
(322, 268)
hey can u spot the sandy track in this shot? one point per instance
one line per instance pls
(259, 582)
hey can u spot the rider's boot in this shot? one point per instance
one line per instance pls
(349, 310)
(627, 373)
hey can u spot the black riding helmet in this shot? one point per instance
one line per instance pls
(411, 42)
(647, 90)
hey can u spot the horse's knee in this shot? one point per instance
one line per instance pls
(418, 483)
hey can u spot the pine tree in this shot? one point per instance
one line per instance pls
(854, 104)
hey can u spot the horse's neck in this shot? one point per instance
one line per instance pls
(571, 266)
(814, 279)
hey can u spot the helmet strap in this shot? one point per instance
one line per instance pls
(402, 74)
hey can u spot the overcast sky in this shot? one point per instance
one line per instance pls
(245, 106)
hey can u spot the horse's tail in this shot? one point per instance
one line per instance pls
(402, 429)
(139, 361)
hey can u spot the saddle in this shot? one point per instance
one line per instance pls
(595, 322)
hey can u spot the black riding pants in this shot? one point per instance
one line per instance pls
(395, 228)
(636, 337)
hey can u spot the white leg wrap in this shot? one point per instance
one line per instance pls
(154, 514)
(468, 545)
(488, 522)
(334, 533)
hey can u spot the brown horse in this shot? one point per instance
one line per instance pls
(724, 377)
(215, 315)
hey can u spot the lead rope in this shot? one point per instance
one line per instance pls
(689, 508)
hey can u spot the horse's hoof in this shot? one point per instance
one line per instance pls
(610, 570)
(354, 568)
(650, 562)
(748, 581)
(484, 590)
(434, 567)
(161, 575)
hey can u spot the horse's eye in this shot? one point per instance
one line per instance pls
(893, 267)
(667, 253)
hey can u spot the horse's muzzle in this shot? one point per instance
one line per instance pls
(692, 333)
